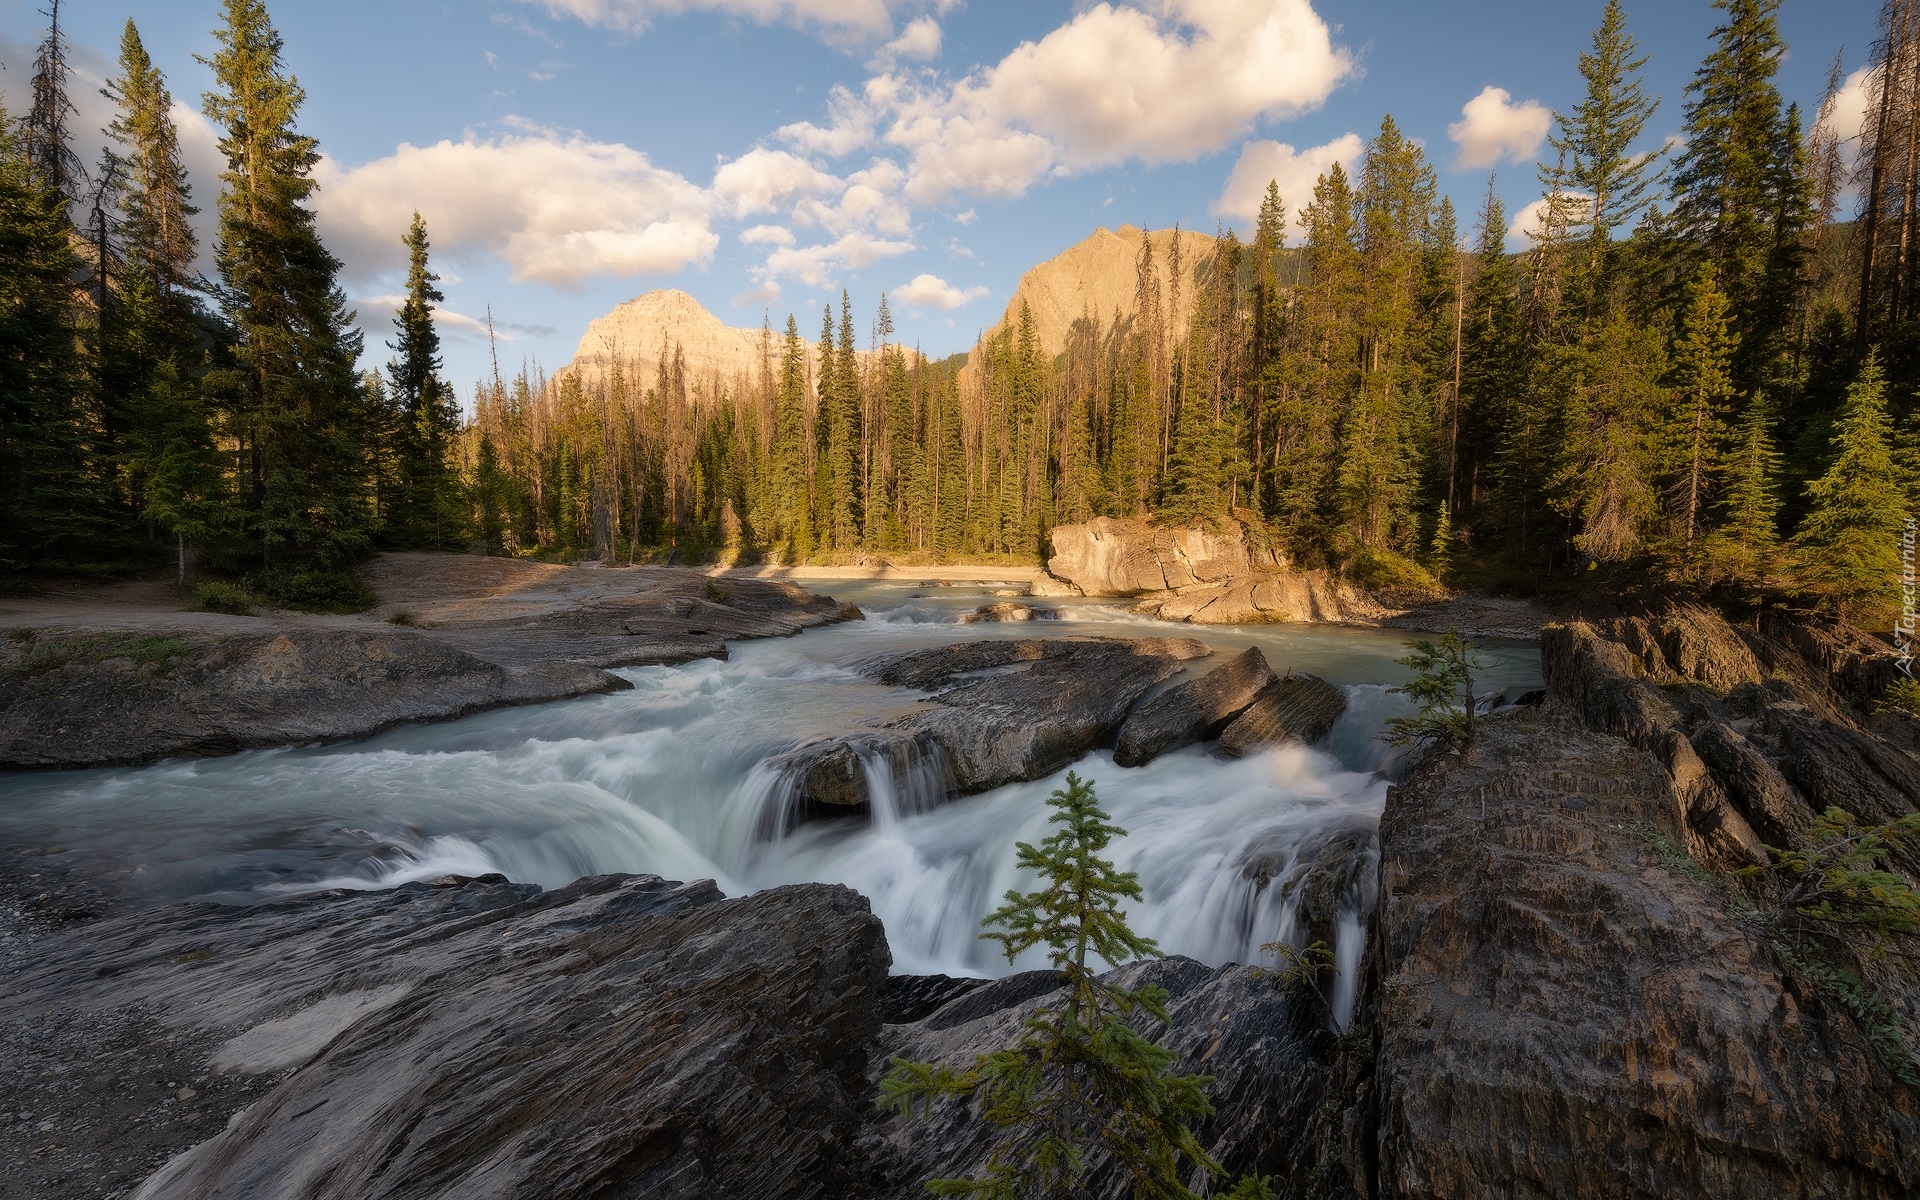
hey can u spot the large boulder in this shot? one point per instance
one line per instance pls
(622, 1036)
(1192, 711)
(1004, 711)
(1109, 557)
(1294, 708)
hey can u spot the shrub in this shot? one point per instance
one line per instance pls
(1903, 694)
(1442, 686)
(155, 650)
(311, 589)
(1383, 569)
(221, 597)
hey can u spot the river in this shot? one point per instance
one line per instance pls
(670, 778)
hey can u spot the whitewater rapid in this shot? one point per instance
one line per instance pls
(673, 778)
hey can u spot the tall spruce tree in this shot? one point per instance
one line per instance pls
(303, 422)
(425, 411)
(1596, 159)
(1492, 368)
(1744, 547)
(1848, 546)
(1694, 431)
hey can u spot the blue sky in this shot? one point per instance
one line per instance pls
(763, 154)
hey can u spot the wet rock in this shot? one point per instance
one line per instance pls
(830, 776)
(1554, 1010)
(1771, 805)
(1192, 711)
(622, 1036)
(1003, 711)
(1294, 708)
(910, 997)
(1007, 611)
(1325, 875)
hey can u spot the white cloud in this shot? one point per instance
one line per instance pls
(919, 41)
(1526, 223)
(1491, 127)
(1849, 115)
(1114, 84)
(557, 206)
(863, 18)
(1296, 171)
(931, 291)
(817, 266)
(765, 180)
(767, 235)
(766, 293)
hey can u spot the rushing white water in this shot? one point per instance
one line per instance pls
(673, 778)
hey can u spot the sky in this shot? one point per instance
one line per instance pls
(763, 155)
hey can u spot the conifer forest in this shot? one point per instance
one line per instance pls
(1702, 370)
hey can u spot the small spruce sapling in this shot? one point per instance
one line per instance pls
(1835, 876)
(1081, 1079)
(1442, 686)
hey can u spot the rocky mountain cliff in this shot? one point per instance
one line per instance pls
(635, 333)
(1095, 278)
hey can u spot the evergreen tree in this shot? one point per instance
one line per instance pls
(1695, 429)
(1595, 143)
(1743, 548)
(1080, 1078)
(425, 414)
(302, 425)
(50, 512)
(1493, 365)
(1848, 546)
(156, 209)
(1738, 191)
(1610, 399)
(43, 131)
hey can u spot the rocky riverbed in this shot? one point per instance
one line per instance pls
(1567, 987)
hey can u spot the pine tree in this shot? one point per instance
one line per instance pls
(425, 414)
(304, 442)
(1610, 400)
(1848, 546)
(1595, 144)
(43, 131)
(156, 209)
(1695, 429)
(1743, 548)
(1493, 369)
(1080, 1078)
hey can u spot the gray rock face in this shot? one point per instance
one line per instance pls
(620, 1037)
(1108, 557)
(1003, 711)
(1192, 711)
(1006, 610)
(1295, 708)
(1552, 1009)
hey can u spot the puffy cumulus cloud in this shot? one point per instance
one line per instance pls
(819, 265)
(864, 19)
(1529, 221)
(766, 293)
(765, 180)
(1848, 116)
(868, 199)
(1492, 127)
(919, 41)
(931, 291)
(558, 207)
(1116, 83)
(1295, 171)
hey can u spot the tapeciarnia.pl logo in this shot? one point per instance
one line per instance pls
(1904, 629)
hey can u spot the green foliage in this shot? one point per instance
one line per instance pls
(216, 595)
(1848, 546)
(1080, 1079)
(1440, 548)
(1878, 1021)
(1836, 875)
(159, 652)
(313, 589)
(1384, 570)
(1442, 687)
(715, 592)
(1903, 694)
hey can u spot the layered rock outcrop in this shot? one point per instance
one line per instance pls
(1294, 708)
(622, 1036)
(1558, 1003)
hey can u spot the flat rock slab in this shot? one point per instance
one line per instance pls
(1295, 708)
(622, 1036)
(1004, 711)
(81, 699)
(1193, 711)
